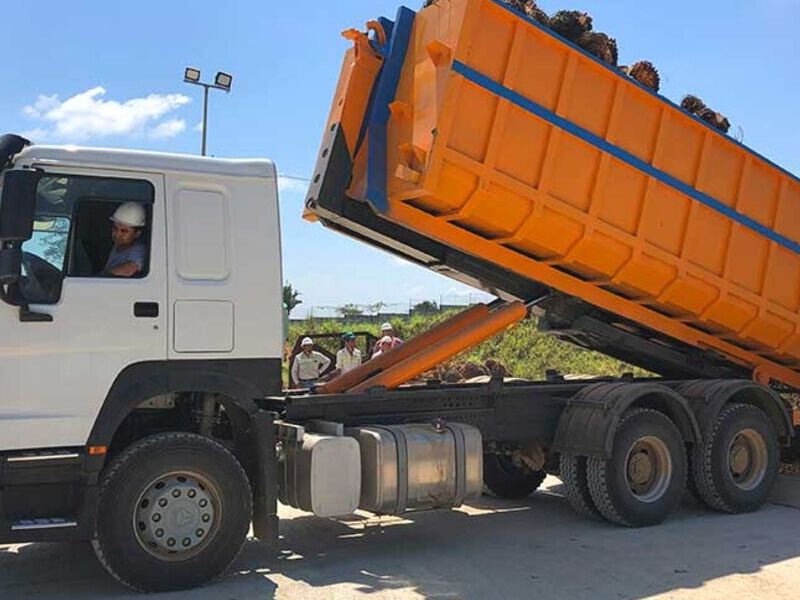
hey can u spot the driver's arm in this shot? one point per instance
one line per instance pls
(128, 269)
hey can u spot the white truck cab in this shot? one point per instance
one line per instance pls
(90, 363)
(204, 294)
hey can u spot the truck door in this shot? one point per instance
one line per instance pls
(59, 358)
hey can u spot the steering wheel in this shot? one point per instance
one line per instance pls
(41, 280)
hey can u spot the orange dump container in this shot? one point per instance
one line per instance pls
(491, 136)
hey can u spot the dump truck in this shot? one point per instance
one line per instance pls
(147, 415)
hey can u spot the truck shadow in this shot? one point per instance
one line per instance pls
(532, 548)
(491, 549)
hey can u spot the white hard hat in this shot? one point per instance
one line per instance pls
(307, 341)
(386, 326)
(130, 214)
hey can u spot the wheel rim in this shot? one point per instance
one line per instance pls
(747, 459)
(648, 469)
(177, 515)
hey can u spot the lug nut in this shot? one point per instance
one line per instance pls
(203, 503)
(199, 533)
(206, 518)
(162, 503)
(171, 542)
(159, 533)
(186, 542)
(192, 494)
(176, 493)
(156, 517)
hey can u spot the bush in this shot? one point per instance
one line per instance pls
(523, 350)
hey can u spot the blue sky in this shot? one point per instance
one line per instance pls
(122, 63)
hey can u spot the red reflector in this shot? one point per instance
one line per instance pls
(97, 450)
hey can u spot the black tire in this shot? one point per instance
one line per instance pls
(692, 495)
(719, 484)
(190, 471)
(650, 438)
(576, 486)
(506, 480)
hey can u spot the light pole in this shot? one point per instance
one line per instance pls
(222, 81)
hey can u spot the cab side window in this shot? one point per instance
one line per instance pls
(91, 227)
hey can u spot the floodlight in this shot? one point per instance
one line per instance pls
(191, 75)
(223, 81)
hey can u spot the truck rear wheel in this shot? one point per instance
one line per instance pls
(735, 467)
(507, 480)
(576, 485)
(174, 512)
(644, 479)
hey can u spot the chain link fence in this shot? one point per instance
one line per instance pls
(384, 311)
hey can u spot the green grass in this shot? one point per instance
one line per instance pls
(524, 350)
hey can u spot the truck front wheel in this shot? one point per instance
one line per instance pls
(174, 512)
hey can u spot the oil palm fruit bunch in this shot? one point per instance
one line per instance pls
(715, 119)
(516, 4)
(692, 104)
(645, 73)
(695, 106)
(529, 8)
(571, 24)
(536, 13)
(601, 46)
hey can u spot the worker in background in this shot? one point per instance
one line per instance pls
(349, 357)
(383, 346)
(309, 364)
(387, 331)
(128, 256)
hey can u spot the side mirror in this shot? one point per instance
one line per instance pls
(18, 205)
(17, 208)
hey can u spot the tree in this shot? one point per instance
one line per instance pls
(291, 297)
(425, 307)
(376, 308)
(350, 310)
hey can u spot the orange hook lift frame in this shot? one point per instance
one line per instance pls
(460, 340)
(414, 346)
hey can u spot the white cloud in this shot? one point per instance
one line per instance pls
(42, 105)
(198, 127)
(292, 184)
(36, 135)
(462, 292)
(89, 114)
(168, 129)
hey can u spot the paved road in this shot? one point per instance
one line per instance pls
(493, 549)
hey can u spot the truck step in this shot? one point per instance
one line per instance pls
(48, 523)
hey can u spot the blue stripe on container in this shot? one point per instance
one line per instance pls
(598, 142)
(383, 94)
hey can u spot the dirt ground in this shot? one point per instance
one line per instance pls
(537, 548)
